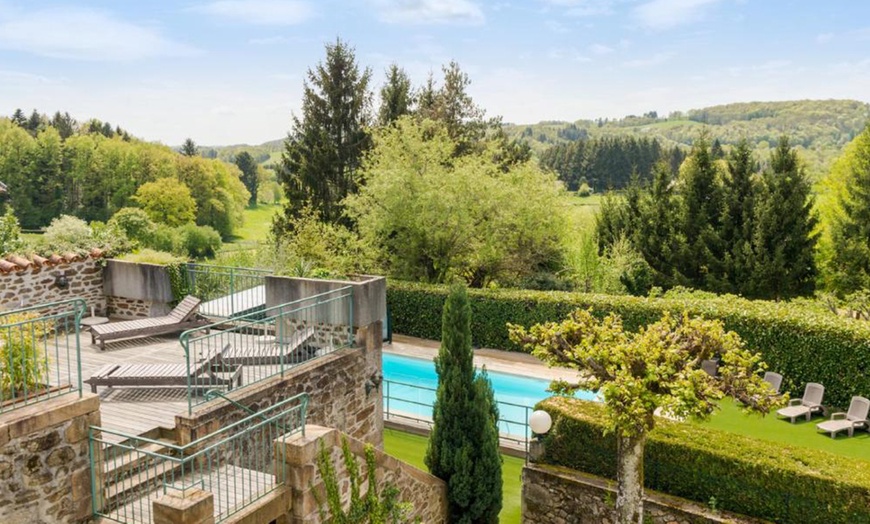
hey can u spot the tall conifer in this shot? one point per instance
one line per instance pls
(463, 446)
(738, 219)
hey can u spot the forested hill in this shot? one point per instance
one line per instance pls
(819, 128)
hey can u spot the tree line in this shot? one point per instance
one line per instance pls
(728, 226)
(608, 162)
(91, 170)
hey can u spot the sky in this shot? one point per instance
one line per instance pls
(231, 71)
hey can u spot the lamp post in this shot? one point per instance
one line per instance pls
(540, 423)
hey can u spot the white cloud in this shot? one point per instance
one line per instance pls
(824, 38)
(463, 12)
(654, 60)
(665, 14)
(269, 40)
(582, 8)
(84, 34)
(259, 12)
(600, 49)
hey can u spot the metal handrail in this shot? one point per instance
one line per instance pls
(191, 463)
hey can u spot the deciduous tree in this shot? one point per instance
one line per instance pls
(637, 374)
(167, 201)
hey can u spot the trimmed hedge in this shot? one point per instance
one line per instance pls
(802, 344)
(745, 475)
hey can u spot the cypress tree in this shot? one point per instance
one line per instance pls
(463, 445)
(325, 148)
(783, 241)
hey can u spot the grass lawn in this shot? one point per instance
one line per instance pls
(258, 221)
(801, 433)
(411, 449)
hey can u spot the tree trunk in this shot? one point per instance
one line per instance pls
(629, 478)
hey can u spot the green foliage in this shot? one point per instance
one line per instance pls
(820, 128)
(396, 96)
(66, 232)
(310, 245)
(167, 201)
(374, 507)
(847, 210)
(250, 176)
(198, 241)
(10, 233)
(428, 215)
(135, 223)
(325, 148)
(149, 256)
(804, 345)
(463, 445)
(189, 148)
(762, 479)
(23, 366)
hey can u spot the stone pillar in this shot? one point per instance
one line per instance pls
(44, 461)
(297, 456)
(193, 506)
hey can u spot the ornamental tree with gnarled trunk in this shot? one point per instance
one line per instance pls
(659, 367)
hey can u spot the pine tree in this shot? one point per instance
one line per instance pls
(850, 232)
(427, 98)
(34, 123)
(325, 148)
(19, 119)
(246, 164)
(463, 445)
(738, 221)
(783, 241)
(700, 219)
(657, 239)
(396, 96)
(188, 148)
(64, 123)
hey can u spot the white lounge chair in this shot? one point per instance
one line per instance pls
(774, 379)
(856, 417)
(806, 406)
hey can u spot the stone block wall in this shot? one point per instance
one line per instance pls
(37, 285)
(44, 464)
(557, 495)
(123, 307)
(426, 493)
(335, 384)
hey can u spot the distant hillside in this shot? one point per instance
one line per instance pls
(820, 128)
(265, 153)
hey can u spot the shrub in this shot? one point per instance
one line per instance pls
(135, 223)
(24, 367)
(10, 233)
(198, 241)
(67, 233)
(804, 345)
(745, 475)
(165, 238)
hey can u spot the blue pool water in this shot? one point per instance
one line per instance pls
(411, 392)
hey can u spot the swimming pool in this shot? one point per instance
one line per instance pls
(411, 382)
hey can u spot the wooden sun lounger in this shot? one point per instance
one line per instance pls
(182, 318)
(294, 350)
(212, 372)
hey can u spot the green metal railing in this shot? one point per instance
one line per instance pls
(237, 464)
(414, 403)
(226, 291)
(264, 344)
(40, 353)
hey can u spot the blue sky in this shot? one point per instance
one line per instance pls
(230, 71)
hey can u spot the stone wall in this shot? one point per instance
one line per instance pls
(426, 493)
(123, 307)
(557, 495)
(44, 465)
(37, 285)
(335, 384)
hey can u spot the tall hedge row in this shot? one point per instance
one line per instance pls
(741, 474)
(802, 344)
